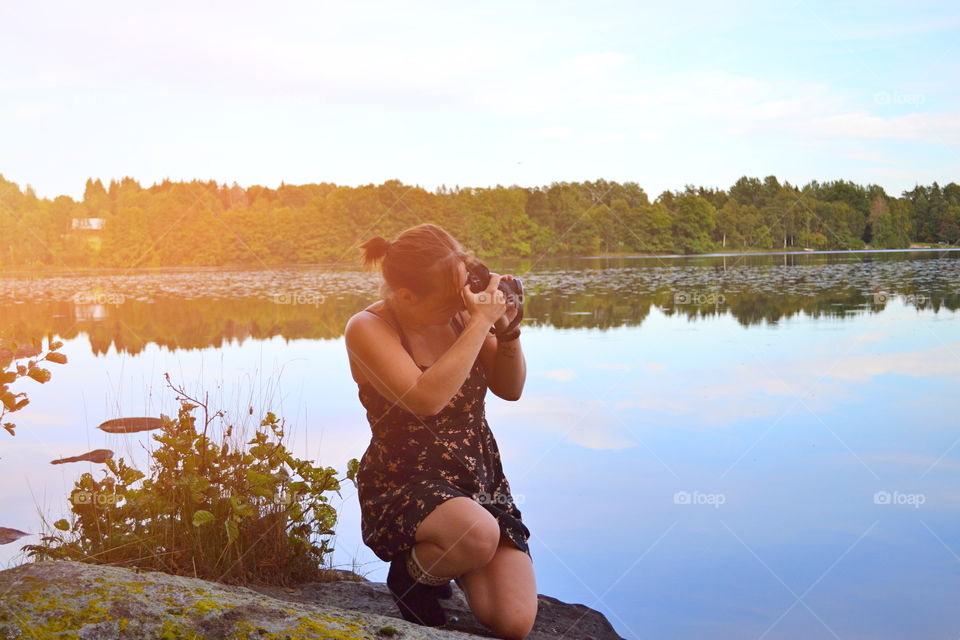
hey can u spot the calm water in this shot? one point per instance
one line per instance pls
(723, 447)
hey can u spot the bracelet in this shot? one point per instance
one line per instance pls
(507, 337)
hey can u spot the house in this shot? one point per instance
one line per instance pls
(87, 224)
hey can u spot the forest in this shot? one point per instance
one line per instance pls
(124, 225)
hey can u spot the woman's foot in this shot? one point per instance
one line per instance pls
(444, 592)
(417, 602)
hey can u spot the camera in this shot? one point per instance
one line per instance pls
(478, 277)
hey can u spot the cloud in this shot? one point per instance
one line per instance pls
(914, 461)
(744, 391)
(896, 31)
(558, 131)
(939, 361)
(869, 156)
(560, 375)
(589, 64)
(588, 423)
(30, 112)
(942, 128)
(615, 366)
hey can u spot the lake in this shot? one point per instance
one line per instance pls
(752, 446)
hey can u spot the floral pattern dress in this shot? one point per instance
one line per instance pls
(414, 464)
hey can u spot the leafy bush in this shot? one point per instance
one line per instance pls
(254, 514)
(854, 242)
(10, 370)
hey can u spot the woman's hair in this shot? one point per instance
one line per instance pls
(422, 258)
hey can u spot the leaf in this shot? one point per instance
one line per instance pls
(9, 426)
(9, 535)
(59, 358)
(256, 479)
(40, 375)
(201, 518)
(62, 524)
(232, 531)
(130, 425)
(131, 475)
(97, 456)
(325, 515)
(9, 400)
(263, 492)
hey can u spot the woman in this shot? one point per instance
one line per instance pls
(433, 496)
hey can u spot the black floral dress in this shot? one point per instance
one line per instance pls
(414, 464)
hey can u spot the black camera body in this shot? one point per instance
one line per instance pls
(478, 277)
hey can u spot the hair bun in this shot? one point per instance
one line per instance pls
(374, 249)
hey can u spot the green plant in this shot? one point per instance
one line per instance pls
(235, 514)
(10, 370)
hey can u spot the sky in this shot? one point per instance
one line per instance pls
(479, 94)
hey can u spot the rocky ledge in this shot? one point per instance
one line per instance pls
(92, 602)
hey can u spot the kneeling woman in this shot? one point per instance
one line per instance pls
(434, 499)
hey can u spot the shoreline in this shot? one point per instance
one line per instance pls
(765, 252)
(62, 270)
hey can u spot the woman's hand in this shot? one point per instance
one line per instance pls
(488, 305)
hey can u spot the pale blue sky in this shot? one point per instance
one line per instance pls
(479, 94)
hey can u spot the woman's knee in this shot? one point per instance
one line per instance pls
(462, 527)
(513, 622)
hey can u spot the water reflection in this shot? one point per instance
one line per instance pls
(189, 310)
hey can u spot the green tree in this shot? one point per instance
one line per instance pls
(694, 220)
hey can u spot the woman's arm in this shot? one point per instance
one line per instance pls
(504, 364)
(375, 348)
(509, 370)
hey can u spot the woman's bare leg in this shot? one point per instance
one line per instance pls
(457, 536)
(503, 593)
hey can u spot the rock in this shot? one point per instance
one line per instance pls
(66, 599)
(555, 619)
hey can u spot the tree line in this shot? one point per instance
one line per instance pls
(204, 223)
